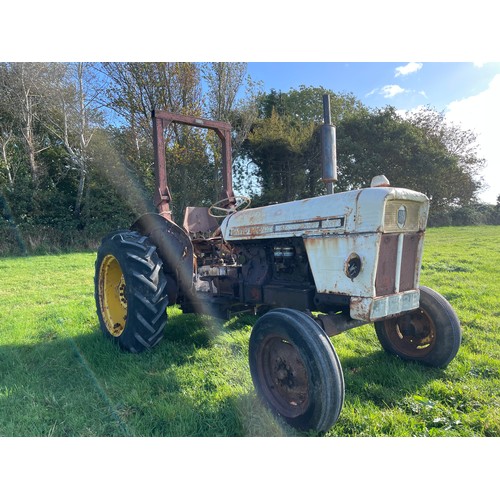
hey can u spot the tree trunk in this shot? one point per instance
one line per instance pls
(83, 142)
(28, 116)
(10, 176)
(79, 193)
(30, 144)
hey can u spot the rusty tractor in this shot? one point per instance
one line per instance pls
(310, 269)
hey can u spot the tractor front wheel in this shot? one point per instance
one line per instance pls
(431, 334)
(295, 370)
(130, 291)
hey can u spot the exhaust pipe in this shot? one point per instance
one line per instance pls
(329, 148)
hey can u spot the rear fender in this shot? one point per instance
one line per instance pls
(174, 248)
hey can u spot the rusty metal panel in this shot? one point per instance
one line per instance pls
(161, 120)
(386, 268)
(372, 309)
(398, 262)
(328, 259)
(173, 246)
(313, 216)
(198, 220)
(410, 261)
(253, 294)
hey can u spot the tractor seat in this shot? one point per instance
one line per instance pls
(198, 223)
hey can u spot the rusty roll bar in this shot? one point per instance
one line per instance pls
(161, 120)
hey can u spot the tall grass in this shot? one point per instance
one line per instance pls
(60, 377)
(40, 240)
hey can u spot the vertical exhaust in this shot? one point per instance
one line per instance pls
(329, 148)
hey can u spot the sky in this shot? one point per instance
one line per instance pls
(467, 93)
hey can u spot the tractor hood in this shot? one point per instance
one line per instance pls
(380, 209)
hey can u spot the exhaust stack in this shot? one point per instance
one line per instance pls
(329, 148)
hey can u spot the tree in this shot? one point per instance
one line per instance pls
(135, 89)
(286, 160)
(461, 144)
(25, 87)
(420, 151)
(383, 142)
(7, 140)
(284, 143)
(224, 80)
(305, 104)
(231, 96)
(72, 116)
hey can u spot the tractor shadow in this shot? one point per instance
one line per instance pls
(91, 387)
(80, 385)
(383, 379)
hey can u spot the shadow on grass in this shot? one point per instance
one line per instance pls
(84, 385)
(384, 379)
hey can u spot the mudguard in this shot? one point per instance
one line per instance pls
(174, 248)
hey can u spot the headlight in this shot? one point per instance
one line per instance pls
(401, 215)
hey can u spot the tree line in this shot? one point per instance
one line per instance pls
(76, 147)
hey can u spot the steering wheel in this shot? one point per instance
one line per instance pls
(241, 202)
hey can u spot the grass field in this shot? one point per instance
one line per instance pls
(60, 377)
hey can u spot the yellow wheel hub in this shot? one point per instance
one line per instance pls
(113, 303)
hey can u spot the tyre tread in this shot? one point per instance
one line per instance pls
(328, 388)
(449, 331)
(146, 284)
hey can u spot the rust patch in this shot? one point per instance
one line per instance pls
(316, 225)
(385, 280)
(357, 216)
(409, 261)
(199, 220)
(362, 308)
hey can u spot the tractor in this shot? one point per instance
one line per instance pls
(310, 269)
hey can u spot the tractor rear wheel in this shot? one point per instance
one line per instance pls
(295, 370)
(431, 334)
(130, 291)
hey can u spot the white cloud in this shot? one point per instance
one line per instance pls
(408, 68)
(480, 114)
(405, 113)
(391, 90)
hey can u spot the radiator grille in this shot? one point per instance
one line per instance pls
(398, 263)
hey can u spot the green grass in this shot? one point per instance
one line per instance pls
(60, 377)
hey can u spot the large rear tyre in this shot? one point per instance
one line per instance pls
(430, 335)
(130, 291)
(295, 370)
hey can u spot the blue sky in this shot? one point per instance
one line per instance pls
(419, 83)
(468, 93)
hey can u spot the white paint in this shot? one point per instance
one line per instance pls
(333, 228)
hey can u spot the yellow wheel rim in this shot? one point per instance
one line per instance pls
(113, 302)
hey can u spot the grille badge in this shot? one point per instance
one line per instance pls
(401, 216)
